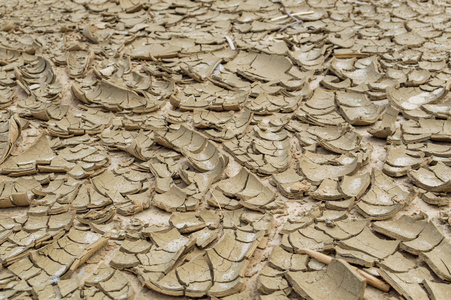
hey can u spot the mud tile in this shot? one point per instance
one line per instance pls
(115, 98)
(386, 126)
(357, 109)
(209, 96)
(195, 276)
(304, 283)
(431, 178)
(249, 190)
(271, 281)
(316, 173)
(437, 290)
(286, 261)
(405, 228)
(399, 161)
(290, 184)
(408, 283)
(186, 222)
(369, 243)
(412, 98)
(78, 62)
(384, 198)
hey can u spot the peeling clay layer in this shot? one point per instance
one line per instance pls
(249, 149)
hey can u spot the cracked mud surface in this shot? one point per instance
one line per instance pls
(225, 149)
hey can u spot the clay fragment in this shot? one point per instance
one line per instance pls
(78, 62)
(271, 281)
(386, 126)
(128, 192)
(209, 96)
(9, 133)
(412, 98)
(111, 282)
(405, 228)
(7, 96)
(400, 161)
(228, 259)
(249, 190)
(290, 184)
(420, 130)
(384, 198)
(437, 290)
(115, 98)
(408, 283)
(439, 260)
(316, 173)
(265, 151)
(339, 280)
(357, 109)
(226, 129)
(433, 178)
(202, 154)
(320, 110)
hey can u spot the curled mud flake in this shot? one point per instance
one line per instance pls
(209, 96)
(338, 281)
(116, 98)
(265, 151)
(405, 228)
(40, 70)
(228, 260)
(174, 199)
(432, 178)
(315, 173)
(361, 71)
(420, 130)
(400, 160)
(386, 126)
(112, 283)
(7, 96)
(412, 98)
(327, 190)
(10, 131)
(310, 58)
(206, 159)
(407, 283)
(320, 110)
(127, 193)
(195, 275)
(266, 103)
(342, 229)
(249, 190)
(370, 244)
(271, 280)
(225, 128)
(26, 163)
(384, 198)
(78, 62)
(261, 67)
(355, 186)
(290, 184)
(186, 222)
(308, 238)
(439, 260)
(275, 296)
(429, 238)
(357, 109)
(437, 290)
(137, 144)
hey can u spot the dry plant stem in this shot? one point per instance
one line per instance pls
(301, 13)
(371, 280)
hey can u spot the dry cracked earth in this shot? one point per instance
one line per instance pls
(239, 149)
